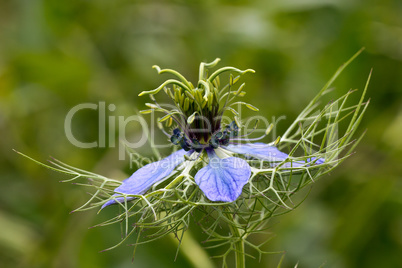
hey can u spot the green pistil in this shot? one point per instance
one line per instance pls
(200, 107)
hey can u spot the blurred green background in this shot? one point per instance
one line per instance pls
(57, 54)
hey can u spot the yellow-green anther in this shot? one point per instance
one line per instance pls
(231, 80)
(181, 77)
(164, 84)
(151, 105)
(181, 99)
(251, 107)
(237, 121)
(241, 94)
(159, 124)
(166, 117)
(240, 89)
(236, 79)
(270, 127)
(169, 122)
(198, 96)
(191, 118)
(232, 110)
(225, 69)
(204, 102)
(186, 104)
(176, 96)
(146, 111)
(277, 140)
(189, 95)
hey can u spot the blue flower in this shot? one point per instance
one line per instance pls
(198, 112)
(221, 180)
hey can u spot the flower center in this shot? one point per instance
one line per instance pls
(217, 139)
(198, 110)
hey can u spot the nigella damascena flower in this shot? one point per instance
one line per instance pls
(204, 139)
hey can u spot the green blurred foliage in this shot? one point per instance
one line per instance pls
(57, 54)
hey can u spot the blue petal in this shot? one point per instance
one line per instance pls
(258, 150)
(319, 161)
(223, 179)
(269, 153)
(145, 177)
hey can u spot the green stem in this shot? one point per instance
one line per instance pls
(239, 247)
